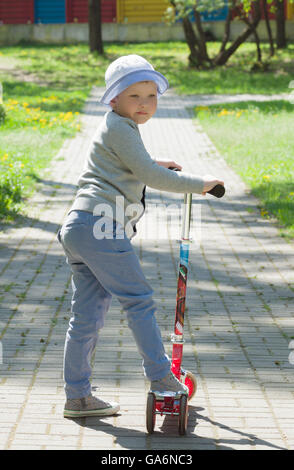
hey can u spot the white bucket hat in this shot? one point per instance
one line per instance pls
(126, 71)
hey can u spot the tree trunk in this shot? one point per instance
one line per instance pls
(268, 27)
(95, 26)
(227, 32)
(225, 54)
(202, 38)
(192, 42)
(280, 24)
(257, 42)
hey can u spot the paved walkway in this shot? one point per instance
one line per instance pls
(237, 328)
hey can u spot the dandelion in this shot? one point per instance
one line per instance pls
(12, 102)
(5, 156)
(225, 112)
(266, 177)
(202, 108)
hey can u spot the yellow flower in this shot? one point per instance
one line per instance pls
(5, 156)
(12, 102)
(225, 112)
(266, 177)
(25, 105)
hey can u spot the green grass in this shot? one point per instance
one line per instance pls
(257, 141)
(37, 122)
(73, 67)
(38, 115)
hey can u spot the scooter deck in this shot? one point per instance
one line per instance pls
(161, 396)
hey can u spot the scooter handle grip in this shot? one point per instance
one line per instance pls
(217, 191)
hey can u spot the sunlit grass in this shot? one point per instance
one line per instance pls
(256, 139)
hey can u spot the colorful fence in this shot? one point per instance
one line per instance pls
(120, 11)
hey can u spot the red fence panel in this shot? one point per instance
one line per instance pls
(77, 11)
(16, 11)
(270, 9)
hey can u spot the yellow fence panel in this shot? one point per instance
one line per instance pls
(141, 11)
(290, 11)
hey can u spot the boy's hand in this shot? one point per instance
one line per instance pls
(209, 183)
(169, 164)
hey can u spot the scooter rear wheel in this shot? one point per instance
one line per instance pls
(183, 415)
(150, 412)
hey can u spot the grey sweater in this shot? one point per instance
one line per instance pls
(118, 167)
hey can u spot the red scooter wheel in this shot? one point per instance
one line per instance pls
(150, 412)
(183, 415)
(191, 383)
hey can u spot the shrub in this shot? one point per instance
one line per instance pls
(2, 114)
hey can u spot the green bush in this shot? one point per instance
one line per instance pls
(10, 185)
(2, 114)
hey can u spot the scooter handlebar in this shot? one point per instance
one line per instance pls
(218, 190)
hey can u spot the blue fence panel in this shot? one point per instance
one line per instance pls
(50, 11)
(219, 14)
(216, 15)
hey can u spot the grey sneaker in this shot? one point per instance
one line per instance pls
(89, 406)
(168, 384)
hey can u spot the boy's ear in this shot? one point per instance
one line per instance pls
(113, 102)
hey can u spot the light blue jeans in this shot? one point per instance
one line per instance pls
(102, 268)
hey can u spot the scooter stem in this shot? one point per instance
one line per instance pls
(177, 336)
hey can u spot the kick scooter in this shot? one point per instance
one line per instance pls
(176, 403)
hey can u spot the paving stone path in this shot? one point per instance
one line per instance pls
(238, 324)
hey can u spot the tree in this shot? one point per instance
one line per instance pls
(95, 26)
(247, 11)
(280, 24)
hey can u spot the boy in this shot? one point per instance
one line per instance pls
(103, 263)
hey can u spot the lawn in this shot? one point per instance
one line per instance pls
(42, 113)
(37, 122)
(256, 139)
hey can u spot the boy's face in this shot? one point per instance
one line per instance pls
(137, 102)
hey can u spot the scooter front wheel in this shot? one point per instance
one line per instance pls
(190, 382)
(150, 412)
